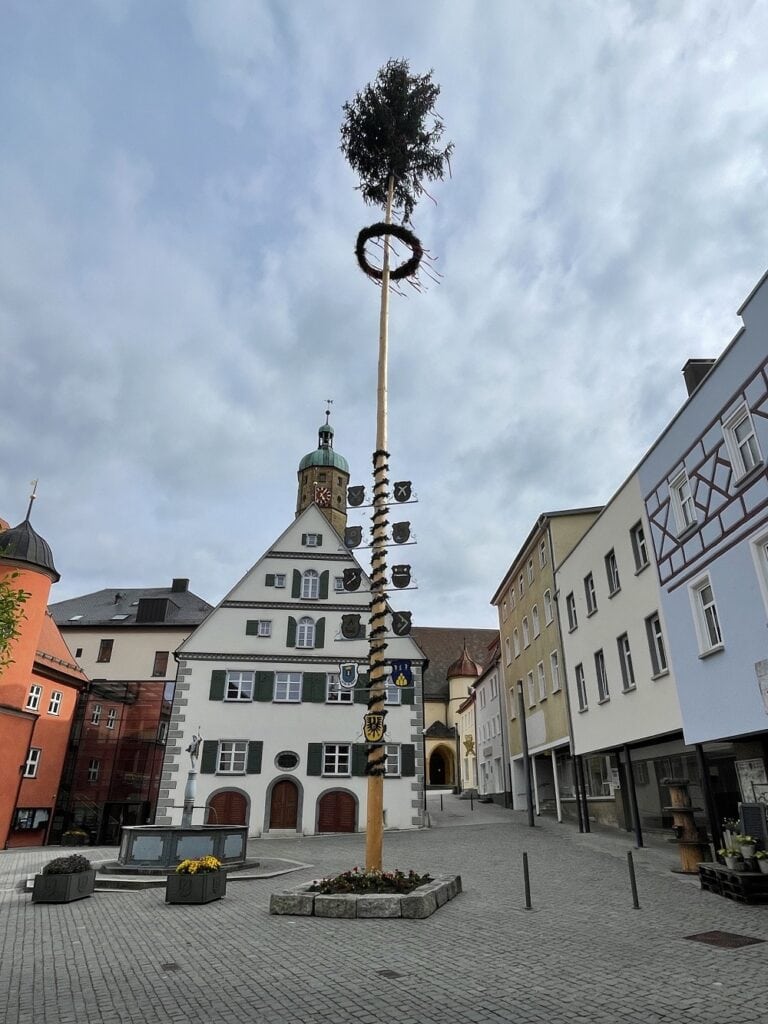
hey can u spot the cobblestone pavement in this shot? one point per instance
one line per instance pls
(581, 954)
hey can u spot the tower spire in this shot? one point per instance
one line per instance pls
(32, 497)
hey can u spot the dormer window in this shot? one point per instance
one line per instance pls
(311, 540)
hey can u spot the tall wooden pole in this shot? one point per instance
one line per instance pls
(377, 756)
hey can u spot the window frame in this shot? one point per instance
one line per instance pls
(612, 573)
(570, 608)
(554, 671)
(393, 761)
(531, 684)
(279, 583)
(312, 540)
(96, 714)
(333, 753)
(541, 678)
(160, 665)
(32, 762)
(34, 697)
(56, 698)
(310, 584)
(639, 546)
(94, 769)
(507, 651)
(656, 645)
(235, 751)
(393, 694)
(234, 692)
(542, 553)
(335, 693)
(590, 594)
(526, 632)
(601, 675)
(735, 447)
(106, 648)
(709, 632)
(535, 623)
(516, 642)
(305, 633)
(111, 718)
(581, 687)
(626, 666)
(683, 503)
(549, 615)
(291, 685)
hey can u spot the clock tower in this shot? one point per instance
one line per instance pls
(323, 479)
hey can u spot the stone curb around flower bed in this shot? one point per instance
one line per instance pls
(413, 905)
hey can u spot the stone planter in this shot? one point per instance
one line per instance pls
(203, 887)
(763, 865)
(63, 888)
(415, 905)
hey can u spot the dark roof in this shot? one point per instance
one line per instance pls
(22, 544)
(440, 731)
(160, 606)
(442, 646)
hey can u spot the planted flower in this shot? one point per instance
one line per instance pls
(358, 881)
(198, 866)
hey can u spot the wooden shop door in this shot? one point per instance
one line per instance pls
(227, 808)
(284, 805)
(337, 813)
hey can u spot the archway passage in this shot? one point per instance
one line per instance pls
(438, 769)
(336, 813)
(284, 805)
(227, 808)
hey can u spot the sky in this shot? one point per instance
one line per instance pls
(179, 294)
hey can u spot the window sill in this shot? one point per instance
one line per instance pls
(629, 689)
(548, 622)
(230, 773)
(604, 700)
(583, 710)
(591, 613)
(660, 675)
(712, 650)
(613, 593)
(749, 476)
(641, 568)
(572, 629)
(340, 775)
(686, 532)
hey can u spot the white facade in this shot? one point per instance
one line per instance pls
(258, 680)
(490, 718)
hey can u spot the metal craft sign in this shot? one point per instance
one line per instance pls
(373, 727)
(402, 673)
(348, 675)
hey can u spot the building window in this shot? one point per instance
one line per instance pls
(79, 652)
(94, 767)
(526, 633)
(548, 616)
(531, 690)
(682, 501)
(512, 600)
(602, 677)
(516, 642)
(535, 620)
(581, 688)
(504, 610)
(336, 758)
(554, 668)
(507, 650)
(33, 697)
(162, 732)
(239, 686)
(54, 704)
(570, 606)
(597, 774)
(612, 572)
(543, 553)
(760, 558)
(625, 662)
(392, 694)
(741, 442)
(521, 585)
(305, 632)
(656, 644)
(105, 650)
(639, 550)
(705, 614)
(392, 766)
(530, 570)
(338, 584)
(513, 698)
(313, 540)
(288, 686)
(542, 681)
(264, 627)
(335, 693)
(111, 718)
(160, 666)
(232, 755)
(590, 595)
(95, 714)
(310, 584)
(33, 760)
(494, 688)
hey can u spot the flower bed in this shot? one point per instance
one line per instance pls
(361, 882)
(420, 902)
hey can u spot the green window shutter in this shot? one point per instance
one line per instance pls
(359, 758)
(313, 687)
(314, 759)
(303, 540)
(218, 682)
(324, 583)
(290, 640)
(252, 627)
(407, 694)
(361, 689)
(265, 686)
(209, 757)
(296, 588)
(269, 579)
(320, 633)
(319, 539)
(407, 759)
(253, 764)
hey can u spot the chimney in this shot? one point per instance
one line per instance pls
(179, 586)
(694, 372)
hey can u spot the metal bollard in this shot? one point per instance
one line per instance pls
(471, 801)
(632, 881)
(526, 878)
(441, 801)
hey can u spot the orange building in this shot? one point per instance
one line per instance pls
(39, 690)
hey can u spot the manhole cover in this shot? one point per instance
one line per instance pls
(169, 967)
(390, 974)
(725, 940)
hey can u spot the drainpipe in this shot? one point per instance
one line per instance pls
(526, 754)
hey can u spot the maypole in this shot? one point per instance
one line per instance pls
(389, 137)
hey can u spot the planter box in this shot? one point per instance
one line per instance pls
(419, 903)
(201, 888)
(63, 888)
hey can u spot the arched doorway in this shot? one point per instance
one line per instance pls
(337, 812)
(229, 807)
(438, 769)
(284, 804)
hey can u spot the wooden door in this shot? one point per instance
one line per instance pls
(227, 808)
(284, 805)
(337, 813)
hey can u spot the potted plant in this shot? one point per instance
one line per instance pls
(732, 858)
(64, 879)
(747, 845)
(196, 881)
(75, 837)
(731, 827)
(762, 861)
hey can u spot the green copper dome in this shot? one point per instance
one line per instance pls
(324, 455)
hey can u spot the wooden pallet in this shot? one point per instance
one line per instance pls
(744, 886)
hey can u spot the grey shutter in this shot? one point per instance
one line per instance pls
(407, 759)
(359, 758)
(290, 640)
(269, 579)
(253, 764)
(407, 694)
(324, 583)
(319, 539)
(361, 689)
(313, 687)
(303, 540)
(314, 758)
(265, 686)
(320, 633)
(252, 627)
(296, 588)
(218, 682)
(209, 757)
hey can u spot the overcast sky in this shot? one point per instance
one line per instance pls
(179, 295)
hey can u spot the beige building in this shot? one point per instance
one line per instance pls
(532, 660)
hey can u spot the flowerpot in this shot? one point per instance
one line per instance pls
(200, 888)
(733, 863)
(763, 865)
(748, 850)
(63, 888)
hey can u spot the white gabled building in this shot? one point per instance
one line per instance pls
(282, 744)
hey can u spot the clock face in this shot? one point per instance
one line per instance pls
(323, 497)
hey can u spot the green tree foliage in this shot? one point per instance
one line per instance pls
(11, 612)
(390, 128)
